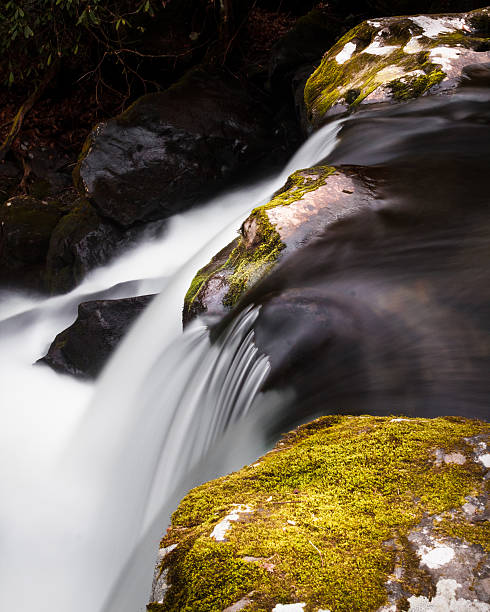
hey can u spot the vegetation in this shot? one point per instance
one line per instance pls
(325, 503)
(36, 34)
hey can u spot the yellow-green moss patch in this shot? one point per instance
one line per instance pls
(379, 53)
(324, 502)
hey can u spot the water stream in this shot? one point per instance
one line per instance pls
(88, 475)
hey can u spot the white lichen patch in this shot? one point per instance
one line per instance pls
(436, 557)
(220, 530)
(457, 458)
(485, 460)
(444, 56)
(445, 600)
(295, 607)
(378, 48)
(435, 26)
(398, 420)
(346, 53)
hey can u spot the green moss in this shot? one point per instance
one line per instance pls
(474, 533)
(247, 261)
(414, 86)
(325, 503)
(217, 263)
(249, 264)
(347, 84)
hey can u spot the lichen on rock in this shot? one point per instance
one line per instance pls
(310, 201)
(396, 58)
(338, 515)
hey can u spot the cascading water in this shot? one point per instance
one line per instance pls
(87, 478)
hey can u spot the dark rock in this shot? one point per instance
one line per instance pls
(49, 172)
(172, 149)
(83, 348)
(80, 242)
(10, 176)
(296, 55)
(26, 225)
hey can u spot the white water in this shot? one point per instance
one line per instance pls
(87, 474)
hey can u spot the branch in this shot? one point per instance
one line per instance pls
(24, 110)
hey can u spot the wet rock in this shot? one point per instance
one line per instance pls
(397, 59)
(26, 225)
(172, 149)
(83, 349)
(345, 513)
(80, 242)
(310, 202)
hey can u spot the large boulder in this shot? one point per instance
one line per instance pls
(309, 203)
(396, 59)
(347, 513)
(83, 349)
(172, 149)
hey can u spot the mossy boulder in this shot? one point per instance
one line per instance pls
(310, 201)
(348, 514)
(26, 225)
(172, 149)
(80, 242)
(396, 59)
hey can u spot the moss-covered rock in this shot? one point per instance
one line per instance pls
(81, 241)
(346, 514)
(310, 201)
(26, 225)
(396, 58)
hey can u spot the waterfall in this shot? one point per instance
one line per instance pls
(89, 474)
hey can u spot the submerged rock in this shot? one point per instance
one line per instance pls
(346, 513)
(171, 149)
(309, 203)
(397, 59)
(84, 348)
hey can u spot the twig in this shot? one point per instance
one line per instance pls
(317, 550)
(24, 110)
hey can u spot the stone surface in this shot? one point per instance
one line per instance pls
(26, 225)
(172, 149)
(397, 59)
(83, 349)
(311, 201)
(346, 513)
(80, 242)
